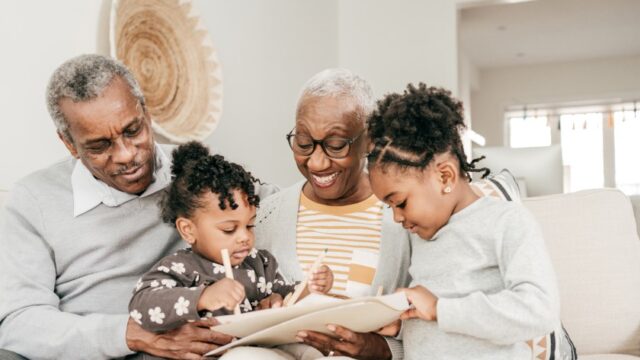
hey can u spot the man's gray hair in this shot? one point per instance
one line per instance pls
(336, 83)
(84, 78)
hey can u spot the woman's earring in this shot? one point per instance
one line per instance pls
(447, 190)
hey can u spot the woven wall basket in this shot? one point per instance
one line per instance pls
(171, 55)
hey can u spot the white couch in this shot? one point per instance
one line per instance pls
(594, 245)
(593, 241)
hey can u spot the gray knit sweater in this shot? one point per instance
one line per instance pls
(495, 283)
(66, 281)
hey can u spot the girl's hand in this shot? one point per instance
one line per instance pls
(390, 330)
(272, 301)
(425, 303)
(321, 280)
(225, 293)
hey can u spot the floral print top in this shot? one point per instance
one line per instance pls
(166, 297)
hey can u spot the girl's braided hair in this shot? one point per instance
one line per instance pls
(408, 130)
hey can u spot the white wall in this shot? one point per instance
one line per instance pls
(36, 37)
(392, 43)
(268, 49)
(499, 88)
(467, 82)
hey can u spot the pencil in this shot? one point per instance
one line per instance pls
(229, 273)
(300, 288)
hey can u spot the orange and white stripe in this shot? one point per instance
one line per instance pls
(351, 233)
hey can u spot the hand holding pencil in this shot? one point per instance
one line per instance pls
(225, 293)
(323, 272)
(229, 274)
(321, 280)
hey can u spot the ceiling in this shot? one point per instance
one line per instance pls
(544, 31)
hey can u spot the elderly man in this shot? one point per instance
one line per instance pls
(75, 236)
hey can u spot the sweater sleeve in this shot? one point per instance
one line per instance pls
(166, 297)
(273, 276)
(395, 346)
(529, 304)
(264, 190)
(31, 321)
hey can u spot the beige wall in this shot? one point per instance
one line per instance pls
(499, 88)
(268, 49)
(37, 36)
(392, 43)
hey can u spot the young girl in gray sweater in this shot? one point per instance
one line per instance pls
(483, 284)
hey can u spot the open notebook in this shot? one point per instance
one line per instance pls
(279, 326)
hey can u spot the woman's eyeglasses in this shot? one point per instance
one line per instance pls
(334, 147)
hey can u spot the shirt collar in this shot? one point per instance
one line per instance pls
(89, 192)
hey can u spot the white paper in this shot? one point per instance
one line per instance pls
(280, 326)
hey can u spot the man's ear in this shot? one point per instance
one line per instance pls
(187, 230)
(69, 145)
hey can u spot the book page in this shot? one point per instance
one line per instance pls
(248, 323)
(279, 326)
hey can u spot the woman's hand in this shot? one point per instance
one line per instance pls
(424, 302)
(345, 342)
(272, 301)
(321, 280)
(224, 293)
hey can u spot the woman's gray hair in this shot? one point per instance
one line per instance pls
(84, 78)
(339, 82)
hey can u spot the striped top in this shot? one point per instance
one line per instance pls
(351, 233)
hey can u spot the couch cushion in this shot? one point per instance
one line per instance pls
(635, 202)
(592, 240)
(502, 185)
(609, 357)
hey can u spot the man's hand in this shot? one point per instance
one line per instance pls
(272, 301)
(345, 342)
(424, 302)
(190, 341)
(225, 293)
(321, 280)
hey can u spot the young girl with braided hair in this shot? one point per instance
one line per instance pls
(483, 283)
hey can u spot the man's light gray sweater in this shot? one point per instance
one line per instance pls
(496, 286)
(66, 281)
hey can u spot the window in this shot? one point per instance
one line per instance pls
(529, 132)
(582, 155)
(600, 143)
(627, 150)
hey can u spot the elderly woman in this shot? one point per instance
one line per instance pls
(335, 209)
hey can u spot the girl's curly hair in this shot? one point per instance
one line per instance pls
(408, 130)
(194, 172)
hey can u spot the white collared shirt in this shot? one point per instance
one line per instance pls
(89, 192)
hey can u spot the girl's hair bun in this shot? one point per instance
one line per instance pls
(186, 154)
